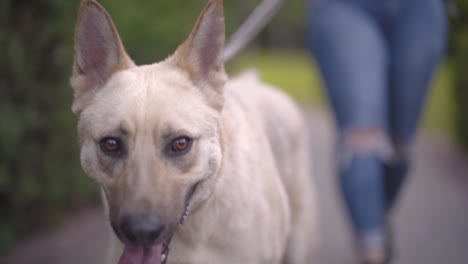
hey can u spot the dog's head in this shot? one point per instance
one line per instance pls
(149, 135)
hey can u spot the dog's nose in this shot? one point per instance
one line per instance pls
(141, 229)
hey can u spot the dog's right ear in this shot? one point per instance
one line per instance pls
(98, 53)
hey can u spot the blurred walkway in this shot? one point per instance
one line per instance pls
(431, 223)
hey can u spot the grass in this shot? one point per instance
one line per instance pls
(295, 73)
(440, 111)
(291, 71)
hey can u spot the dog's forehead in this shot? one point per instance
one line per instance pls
(152, 93)
(159, 78)
(155, 85)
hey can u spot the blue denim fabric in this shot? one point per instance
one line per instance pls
(377, 58)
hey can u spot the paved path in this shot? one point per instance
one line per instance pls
(431, 223)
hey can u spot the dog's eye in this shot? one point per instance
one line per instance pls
(181, 145)
(111, 146)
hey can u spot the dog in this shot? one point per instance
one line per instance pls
(210, 170)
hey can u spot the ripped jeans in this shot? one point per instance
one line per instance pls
(377, 59)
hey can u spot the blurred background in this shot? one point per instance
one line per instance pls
(43, 190)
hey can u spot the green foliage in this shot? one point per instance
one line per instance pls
(440, 109)
(460, 60)
(289, 70)
(152, 29)
(39, 170)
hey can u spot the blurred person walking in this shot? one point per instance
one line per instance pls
(377, 59)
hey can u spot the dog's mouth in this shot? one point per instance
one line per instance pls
(158, 253)
(149, 254)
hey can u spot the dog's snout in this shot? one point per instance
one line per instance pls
(141, 229)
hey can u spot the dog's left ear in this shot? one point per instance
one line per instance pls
(201, 54)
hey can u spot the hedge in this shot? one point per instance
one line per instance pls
(459, 56)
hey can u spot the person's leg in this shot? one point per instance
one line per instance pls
(418, 40)
(352, 56)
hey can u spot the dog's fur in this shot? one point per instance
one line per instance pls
(253, 201)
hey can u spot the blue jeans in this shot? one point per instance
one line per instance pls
(377, 58)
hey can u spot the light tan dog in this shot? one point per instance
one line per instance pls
(175, 142)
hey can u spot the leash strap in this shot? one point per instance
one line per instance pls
(257, 20)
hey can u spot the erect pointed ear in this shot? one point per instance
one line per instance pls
(201, 54)
(98, 52)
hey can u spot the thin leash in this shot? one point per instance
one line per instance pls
(257, 20)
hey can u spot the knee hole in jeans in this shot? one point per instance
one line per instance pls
(364, 141)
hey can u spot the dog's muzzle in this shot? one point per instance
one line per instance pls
(142, 236)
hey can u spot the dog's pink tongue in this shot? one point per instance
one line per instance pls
(142, 255)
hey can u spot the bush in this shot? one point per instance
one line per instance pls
(39, 170)
(460, 60)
